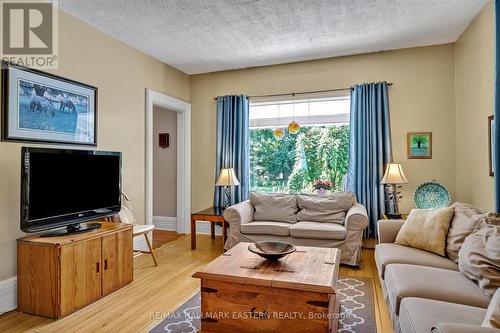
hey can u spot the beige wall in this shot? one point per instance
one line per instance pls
(422, 99)
(164, 164)
(122, 74)
(474, 53)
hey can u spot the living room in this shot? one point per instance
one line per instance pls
(427, 67)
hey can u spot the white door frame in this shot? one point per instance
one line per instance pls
(183, 109)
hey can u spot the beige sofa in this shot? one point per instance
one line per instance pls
(425, 291)
(246, 226)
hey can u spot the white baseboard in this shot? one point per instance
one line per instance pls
(8, 294)
(203, 227)
(165, 223)
(170, 223)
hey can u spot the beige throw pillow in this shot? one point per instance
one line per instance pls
(426, 229)
(479, 257)
(274, 207)
(463, 223)
(330, 209)
(492, 318)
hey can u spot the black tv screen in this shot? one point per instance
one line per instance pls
(62, 187)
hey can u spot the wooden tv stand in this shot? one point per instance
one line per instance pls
(59, 275)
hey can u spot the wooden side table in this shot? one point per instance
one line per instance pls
(212, 215)
(403, 217)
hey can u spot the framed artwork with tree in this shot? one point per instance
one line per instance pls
(419, 145)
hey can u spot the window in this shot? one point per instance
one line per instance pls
(292, 163)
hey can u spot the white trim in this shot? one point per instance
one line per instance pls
(8, 294)
(203, 227)
(183, 109)
(165, 223)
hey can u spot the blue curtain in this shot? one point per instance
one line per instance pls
(370, 148)
(497, 107)
(232, 150)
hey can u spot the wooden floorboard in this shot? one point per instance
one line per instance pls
(163, 288)
(162, 237)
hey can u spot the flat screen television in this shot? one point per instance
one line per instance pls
(63, 188)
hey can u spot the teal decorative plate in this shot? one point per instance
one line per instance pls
(432, 195)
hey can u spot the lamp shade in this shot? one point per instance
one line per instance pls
(394, 175)
(227, 177)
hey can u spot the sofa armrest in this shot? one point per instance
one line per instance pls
(388, 230)
(239, 214)
(356, 218)
(461, 328)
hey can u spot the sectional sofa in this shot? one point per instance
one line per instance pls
(425, 291)
(337, 221)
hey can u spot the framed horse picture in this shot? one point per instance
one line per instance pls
(41, 107)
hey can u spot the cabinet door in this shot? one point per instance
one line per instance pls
(80, 274)
(117, 261)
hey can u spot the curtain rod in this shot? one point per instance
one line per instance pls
(389, 84)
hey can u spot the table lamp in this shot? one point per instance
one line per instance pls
(394, 176)
(227, 179)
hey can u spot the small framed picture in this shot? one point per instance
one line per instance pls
(419, 145)
(491, 144)
(40, 107)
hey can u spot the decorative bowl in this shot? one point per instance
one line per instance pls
(432, 195)
(271, 250)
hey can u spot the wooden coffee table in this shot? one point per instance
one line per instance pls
(242, 292)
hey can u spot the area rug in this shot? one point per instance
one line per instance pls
(356, 310)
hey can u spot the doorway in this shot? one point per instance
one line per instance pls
(181, 111)
(164, 168)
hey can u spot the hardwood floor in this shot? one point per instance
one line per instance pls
(162, 288)
(162, 237)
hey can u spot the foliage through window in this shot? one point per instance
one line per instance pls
(294, 162)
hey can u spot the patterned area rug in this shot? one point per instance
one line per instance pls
(356, 310)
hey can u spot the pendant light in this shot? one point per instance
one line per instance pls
(278, 133)
(293, 127)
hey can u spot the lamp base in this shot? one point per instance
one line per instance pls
(227, 197)
(393, 197)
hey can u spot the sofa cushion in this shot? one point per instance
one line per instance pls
(274, 207)
(479, 257)
(325, 209)
(317, 230)
(463, 223)
(492, 317)
(403, 281)
(419, 315)
(266, 228)
(389, 253)
(426, 229)
(461, 328)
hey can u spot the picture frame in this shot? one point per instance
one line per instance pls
(44, 108)
(491, 145)
(419, 145)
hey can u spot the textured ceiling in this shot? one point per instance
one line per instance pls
(198, 36)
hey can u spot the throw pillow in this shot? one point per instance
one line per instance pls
(426, 229)
(463, 223)
(492, 318)
(269, 207)
(325, 209)
(479, 257)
